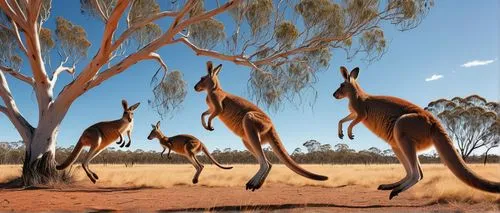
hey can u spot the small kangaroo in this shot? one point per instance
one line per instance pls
(186, 145)
(99, 136)
(408, 129)
(247, 121)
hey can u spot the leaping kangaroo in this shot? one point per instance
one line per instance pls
(185, 145)
(408, 129)
(99, 136)
(247, 121)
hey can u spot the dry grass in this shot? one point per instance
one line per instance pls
(438, 183)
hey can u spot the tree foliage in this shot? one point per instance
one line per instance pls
(472, 122)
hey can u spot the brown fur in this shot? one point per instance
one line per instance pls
(247, 121)
(185, 145)
(99, 136)
(408, 129)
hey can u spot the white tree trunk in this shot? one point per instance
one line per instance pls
(39, 165)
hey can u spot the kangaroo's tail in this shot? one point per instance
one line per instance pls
(205, 150)
(281, 153)
(451, 158)
(72, 157)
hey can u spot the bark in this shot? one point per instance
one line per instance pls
(39, 165)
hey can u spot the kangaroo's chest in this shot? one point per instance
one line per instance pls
(127, 127)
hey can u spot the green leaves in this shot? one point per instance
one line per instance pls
(286, 34)
(258, 14)
(207, 33)
(169, 93)
(72, 40)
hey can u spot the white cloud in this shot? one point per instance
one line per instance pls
(434, 77)
(477, 63)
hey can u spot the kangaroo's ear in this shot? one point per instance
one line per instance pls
(354, 73)
(344, 73)
(152, 125)
(158, 124)
(134, 107)
(124, 104)
(217, 70)
(209, 67)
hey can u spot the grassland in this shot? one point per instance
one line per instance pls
(439, 183)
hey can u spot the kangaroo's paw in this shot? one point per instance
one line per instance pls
(93, 180)
(128, 144)
(390, 186)
(253, 184)
(195, 181)
(341, 135)
(394, 193)
(351, 136)
(209, 128)
(95, 176)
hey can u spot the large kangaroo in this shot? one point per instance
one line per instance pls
(99, 136)
(408, 129)
(185, 145)
(247, 121)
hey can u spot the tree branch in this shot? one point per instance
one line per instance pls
(60, 69)
(178, 28)
(240, 60)
(141, 23)
(12, 112)
(99, 9)
(9, 11)
(18, 38)
(124, 65)
(17, 75)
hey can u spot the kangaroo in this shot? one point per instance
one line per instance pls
(99, 136)
(408, 129)
(248, 122)
(185, 145)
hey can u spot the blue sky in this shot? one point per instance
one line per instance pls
(452, 35)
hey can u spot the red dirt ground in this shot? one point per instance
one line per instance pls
(202, 198)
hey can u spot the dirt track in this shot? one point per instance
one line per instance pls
(202, 198)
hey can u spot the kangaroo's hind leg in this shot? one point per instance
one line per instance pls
(252, 126)
(408, 130)
(402, 160)
(85, 164)
(192, 158)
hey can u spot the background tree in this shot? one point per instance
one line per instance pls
(494, 136)
(472, 122)
(312, 145)
(284, 43)
(341, 147)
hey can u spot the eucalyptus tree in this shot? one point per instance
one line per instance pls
(284, 43)
(471, 122)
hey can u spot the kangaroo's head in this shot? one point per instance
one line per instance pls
(350, 86)
(155, 133)
(128, 112)
(210, 81)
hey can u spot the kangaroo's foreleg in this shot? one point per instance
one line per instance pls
(168, 154)
(359, 118)
(217, 109)
(350, 117)
(253, 138)
(129, 139)
(403, 161)
(163, 152)
(121, 138)
(203, 115)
